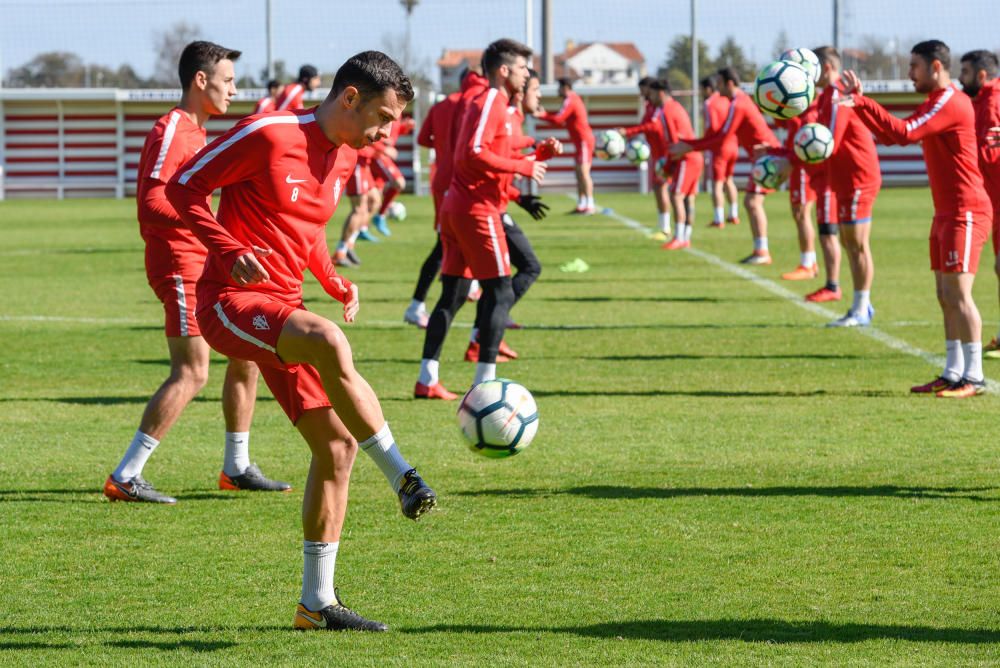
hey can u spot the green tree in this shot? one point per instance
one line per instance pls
(53, 69)
(678, 62)
(731, 55)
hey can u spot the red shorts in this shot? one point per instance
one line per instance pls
(385, 170)
(360, 181)
(584, 151)
(174, 262)
(685, 175)
(955, 243)
(473, 245)
(855, 205)
(800, 187)
(723, 166)
(826, 207)
(754, 188)
(245, 325)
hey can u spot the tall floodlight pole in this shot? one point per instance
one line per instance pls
(529, 28)
(548, 64)
(836, 24)
(695, 90)
(408, 5)
(270, 40)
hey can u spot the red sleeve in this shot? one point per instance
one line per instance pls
(322, 268)
(476, 147)
(990, 155)
(235, 156)
(425, 137)
(892, 130)
(642, 128)
(544, 152)
(559, 118)
(155, 209)
(512, 192)
(522, 142)
(713, 140)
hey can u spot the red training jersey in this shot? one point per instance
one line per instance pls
(172, 141)
(290, 97)
(483, 156)
(281, 180)
(987, 108)
(945, 125)
(264, 105)
(745, 122)
(437, 132)
(854, 164)
(715, 111)
(573, 116)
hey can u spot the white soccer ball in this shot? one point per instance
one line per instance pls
(813, 143)
(396, 211)
(807, 58)
(637, 151)
(770, 171)
(498, 418)
(784, 89)
(609, 145)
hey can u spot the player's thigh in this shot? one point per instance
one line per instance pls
(306, 337)
(522, 255)
(855, 235)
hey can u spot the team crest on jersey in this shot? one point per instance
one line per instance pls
(260, 322)
(336, 191)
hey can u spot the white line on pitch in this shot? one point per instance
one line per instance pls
(871, 332)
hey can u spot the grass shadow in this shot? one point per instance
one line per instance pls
(678, 393)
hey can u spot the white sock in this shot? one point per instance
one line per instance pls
(808, 259)
(382, 449)
(417, 306)
(686, 234)
(473, 286)
(428, 372)
(973, 353)
(474, 335)
(954, 364)
(760, 243)
(138, 452)
(237, 458)
(734, 211)
(590, 201)
(318, 563)
(351, 239)
(581, 201)
(484, 372)
(862, 298)
(664, 221)
(720, 216)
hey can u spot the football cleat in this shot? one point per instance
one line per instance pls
(675, 244)
(659, 235)
(472, 354)
(415, 497)
(824, 294)
(506, 350)
(512, 325)
(757, 258)
(963, 389)
(381, 225)
(137, 490)
(801, 273)
(365, 235)
(417, 317)
(718, 224)
(933, 387)
(733, 221)
(353, 257)
(252, 480)
(336, 617)
(435, 391)
(341, 260)
(992, 349)
(854, 319)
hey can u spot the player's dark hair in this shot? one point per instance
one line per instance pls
(273, 83)
(828, 54)
(503, 52)
(307, 72)
(533, 74)
(372, 73)
(660, 85)
(931, 50)
(202, 56)
(984, 60)
(645, 81)
(728, 75)
(708, 82)
(565, 82)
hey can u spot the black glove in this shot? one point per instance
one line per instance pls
(534, 206)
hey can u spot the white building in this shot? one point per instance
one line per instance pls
(606, 63)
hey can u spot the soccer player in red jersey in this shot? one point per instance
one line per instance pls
(362, 193)
(389, 179)
(573, 116)
(472, 235)
(174, 261)
(269, 101)
(945, 125)
(281, 176)
(979, 81)
(653, 131)
(720, 163)
(291, 96)
(853, 175)
(746, 123)
(802, 195)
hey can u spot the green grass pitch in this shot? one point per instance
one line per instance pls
(717, 480)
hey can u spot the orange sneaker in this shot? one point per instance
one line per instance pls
(138, 490)
(824, 294)
(801, 273)
(435, 391)
(733, 221)
(933, 387)
(717, 224)
(506, 351)
(674, 244)
(472, 353)
(253, 479)
(963, 389)
(992, 349)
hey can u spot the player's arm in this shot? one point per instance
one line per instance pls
(713, 140)
(888, 128)
(425, 137)
(475, 142)
(642, 128)
(332, 283)
(154, 208)
(522, 142)
(561, 116)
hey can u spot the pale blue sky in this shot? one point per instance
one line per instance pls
(111, 32)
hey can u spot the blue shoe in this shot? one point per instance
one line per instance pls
(381, 225)
(365, 235)
(853, 319)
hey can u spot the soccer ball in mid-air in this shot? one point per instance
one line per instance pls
(661, 169)
(609, 145)
(498, 418)
(813, 143)
(637, 151)
(807, 58)
(784, 89)
(396, 211)
(770, 171)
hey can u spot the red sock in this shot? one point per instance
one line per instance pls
(387, 199)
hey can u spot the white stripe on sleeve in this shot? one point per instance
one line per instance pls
(168, 138)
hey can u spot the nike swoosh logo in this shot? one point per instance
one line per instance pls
(770, 98)
(321, 622)
(289, 179)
